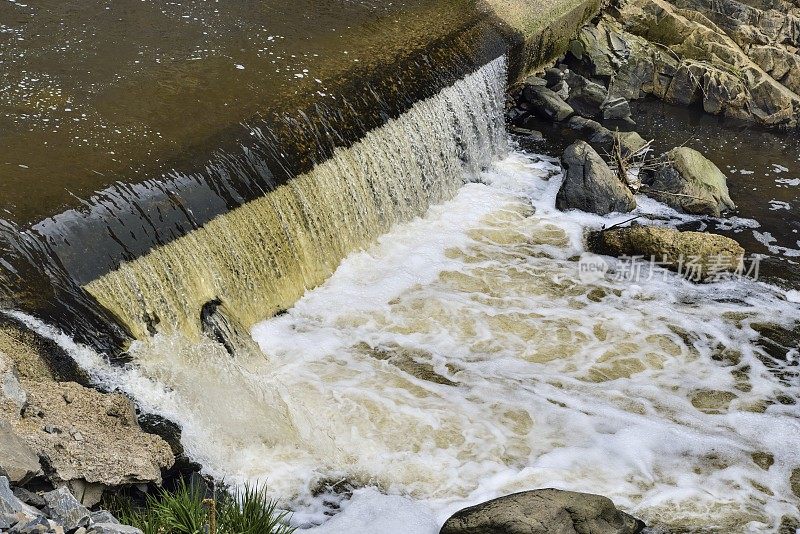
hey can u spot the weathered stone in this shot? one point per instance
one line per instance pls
(601, 138)
(546, 511)
(585, 96)
(113, 528)
(553, 75)
(33, 525)
(697, 255)
(546, 103)
(112, 449)
(561, 89)
(12, 396)
(691, 183)
(63, 507)
(591, 45)
(17, 460)
(30, 498)
(590, 185)
(10, 504)
(616, 109)
(535, 81)
(103, 516)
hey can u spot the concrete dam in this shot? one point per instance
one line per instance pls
(201, 160)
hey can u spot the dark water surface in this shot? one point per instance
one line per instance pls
(94, 92)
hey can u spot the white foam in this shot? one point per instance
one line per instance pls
(461, 358)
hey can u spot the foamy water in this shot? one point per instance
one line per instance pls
(460, 358)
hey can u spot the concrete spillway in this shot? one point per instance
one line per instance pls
(138, 140)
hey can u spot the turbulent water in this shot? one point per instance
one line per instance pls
(461, 357)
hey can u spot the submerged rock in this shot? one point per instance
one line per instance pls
(590, 185)
(699, 256)
(546, 511)
(691, 183)
(546, 103)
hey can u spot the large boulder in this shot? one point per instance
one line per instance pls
(699, 256)
(546, 103)
(546, 511)
(89, 440)
(691, 183)
(590, 185)
(17, 460)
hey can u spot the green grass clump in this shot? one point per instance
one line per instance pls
(250, 511)
(185, 510)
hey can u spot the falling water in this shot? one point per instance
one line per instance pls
(261, 257)
(458, 356)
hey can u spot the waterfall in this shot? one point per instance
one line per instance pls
(260, 258)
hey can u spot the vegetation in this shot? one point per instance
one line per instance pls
(247, 510)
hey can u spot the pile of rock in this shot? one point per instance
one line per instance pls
(682, 178)
(734, 59)
(56, 511)
(61, 438)
(70, 435)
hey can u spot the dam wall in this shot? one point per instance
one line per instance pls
(239, 184)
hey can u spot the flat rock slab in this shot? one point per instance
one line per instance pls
(545, 511)
(699, 256)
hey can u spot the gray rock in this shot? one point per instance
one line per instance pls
(7, 521)
(113, 528)
(616, 109)
(65, 508)
(630, 142)
(546, 511)
(602, 138)
(591, 46)
(10, 504)
(535, 81)
(590, 185)
(691, 183)
(103, 516)
(561, 89)
(30, 498)
(546, 103)
(553, 75)
(12, 396)
(699, 256)
(585, 96)
(17, 459)
(34, 525)
(531, 135)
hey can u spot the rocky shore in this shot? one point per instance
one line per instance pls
(63, 443)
